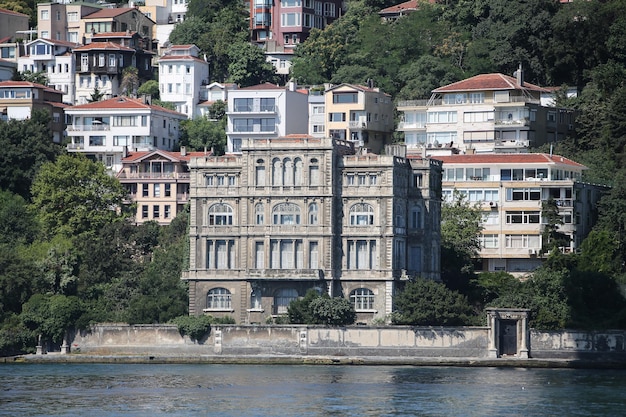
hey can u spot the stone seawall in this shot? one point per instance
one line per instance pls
(384, 341)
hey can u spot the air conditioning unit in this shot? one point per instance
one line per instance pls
(493, 204)
(532, 251)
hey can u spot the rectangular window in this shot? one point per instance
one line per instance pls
(489, 241)
(144, 190)
(124, 120)
(442, 117)
(157, 190)
(156, 212)
(144, 212)
(167, 212)
(336, 117)
(523, 194)
(313, 255)
(97, 140)
(168, 190)
(44, 15)
(522, 217)
(101, 60)
(112, 60)
(345, 98)
(259, 258)
(290, 19)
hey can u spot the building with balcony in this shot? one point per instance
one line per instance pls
(265, 111)
(18, 100)
(101, 63)
(510, 189)
(122, 19)
(106, 130)
(360, 114)
(317, 113)
(488, 113)
(63, 21)
(289, 22)
(296, 213)
(55, 59)
(182, 76)
(157, 183)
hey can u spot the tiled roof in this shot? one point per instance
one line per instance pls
(114, 35)
(264, 86)
(508, 158)
(122, 103)
(399, 8)
(495, 81)
(358, 87)
(107, 13)
(7, 11)
(181, 58)
(182, 46)
(28, 84)
(138, 156)
(104, 45)
(55, 42)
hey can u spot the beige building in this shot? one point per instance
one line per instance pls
(157, 183)
(295, 213)
(488, 113)
(63, 22)
(510, 189)
(363, 115)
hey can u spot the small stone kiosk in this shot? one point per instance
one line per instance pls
(508, 332)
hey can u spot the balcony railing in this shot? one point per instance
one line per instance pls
(88, 128)
(154, 175)
(255, 109)
(411, 125)
(357, 124)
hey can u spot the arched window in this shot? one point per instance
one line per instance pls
(287, 172)
(297, 172)
(276, 172)
(282, 298)
(286, 213)
(220, 214)
(218, 299)
(361, 214)
(259, 213)
(362, 299)
(313, 213)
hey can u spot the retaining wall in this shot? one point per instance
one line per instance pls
(444, 342)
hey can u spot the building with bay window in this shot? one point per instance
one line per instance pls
(510, 190)
(294, 213)
(107, 130)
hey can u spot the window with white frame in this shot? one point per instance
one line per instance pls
(260, 175)
(491, 217)
(361, 214)
(523, 241)
(218, 299)
(523, 217)
(489, 241)
(220, 254)
(442, 117)
(314, 173)
(290, 19)
(259, 255)
(361, 254)
(286, 254)
(286, 214)
(44, 15)
(362, 299)
(523, 194)
(313, 255)
(220, 214)
(259, 214)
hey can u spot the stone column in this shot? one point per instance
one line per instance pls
(523, 349)
(492, 350)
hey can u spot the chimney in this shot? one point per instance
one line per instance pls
(292, 85)
(519, 75)
(183, 151)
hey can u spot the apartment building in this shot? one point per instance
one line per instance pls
(510, 190)
(18, 100)
(106, 130)
(487, 113)
(166, 13)
(63, 21)
(317, 113)
(101, 63)
(157, 183)
(295, 213)
(55, 59)
(182, 76)
(361, 114)
(286, 23)
(265, 111)
(120, 19)
(211, 93)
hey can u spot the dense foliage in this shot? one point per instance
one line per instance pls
(316, 308)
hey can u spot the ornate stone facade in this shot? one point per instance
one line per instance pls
(297, 212)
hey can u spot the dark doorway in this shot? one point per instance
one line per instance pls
(508, 337)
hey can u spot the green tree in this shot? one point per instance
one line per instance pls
(552, 239)
(17, 223)
(151, 88)
(75, 195)
(335, 311)
(130, 81)
(202, 133)
(39, 77)
(26, 145)
(461, 225)
(51, 316)
(299, 310)
(425, 302)
(96, 95)
(248, 66)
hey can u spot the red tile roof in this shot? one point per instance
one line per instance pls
(182, 46)
(108, 13)
(138, 156)
(508, 158)
(28, 85)
(114, 35)
(7, 11)
(264, 86)
(55, 42)
(495, 81)
(181, 58)
(104, 46)
(122, 103)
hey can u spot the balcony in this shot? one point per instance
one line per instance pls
(411, 125)
(512, 122)
(256, 129)
(357, 124)
(255, 109)
(88, 128)
(153, 175)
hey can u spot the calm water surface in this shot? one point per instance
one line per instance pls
(94, 390)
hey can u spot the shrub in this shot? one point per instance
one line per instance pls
(196, 327)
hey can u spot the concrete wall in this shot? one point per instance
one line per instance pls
(398, 341)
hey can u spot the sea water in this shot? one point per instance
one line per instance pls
(94, 390)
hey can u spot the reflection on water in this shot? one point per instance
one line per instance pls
(220, 390)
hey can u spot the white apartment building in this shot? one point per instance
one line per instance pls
(182, 76)
(211, 93)
(510, 189)
(265, 111)
(106, 130)
(295, 213)
(487, 113)
(55, 59)
(317, 113)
